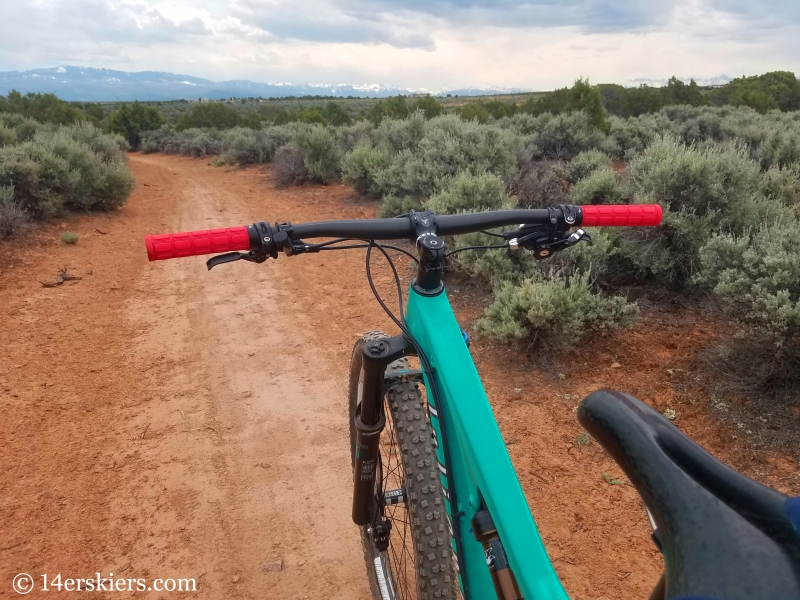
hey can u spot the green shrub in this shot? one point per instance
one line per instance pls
(73, 167)
(779, 147)
(131, 120)
(565, 136)
(213, 115)
(552, 315)
(758, 276)
(253, 120)
(783, 184)
(94, 183)
(771, 140)
(45, 108)
(778, 89)
(8, 137)
(199, 143)
(586, 163)
(757, 279)
(13, 219)
(42, 181)
(108, 147)
(311, 116)
(336, 115)
(69, 237)
(250, 147)
(702, 191)
(448, 147)
(156, 140)
(350, 136)
(113, 186)
(635, 134)
(429, 106)
(470, 193)
(474, 111)
(391, 206)
(394, 107)
(289, 166)
(498, 109)
(320, 153)
(581, 97)
(361, 167)
(24, 128)
(600, 187)
(538, 183)
(397, 135)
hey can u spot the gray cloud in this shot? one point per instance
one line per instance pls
(75, 21)
(589, 15)
(537, 43)
(328, 23)
(409, 23)
(781, 9)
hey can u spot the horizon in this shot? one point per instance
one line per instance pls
(447, 44)
(364, 87)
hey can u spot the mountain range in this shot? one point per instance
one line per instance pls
(98, 85)
(105, 85)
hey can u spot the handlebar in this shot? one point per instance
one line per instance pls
(214, 241)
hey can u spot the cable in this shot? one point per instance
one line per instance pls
(434, 392)
(475, 248)
(329, 242)
(348, 247)
(398, 322)
(352, 246)
(500, 235)
(328, 246)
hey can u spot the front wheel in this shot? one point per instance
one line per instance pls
(418, 564)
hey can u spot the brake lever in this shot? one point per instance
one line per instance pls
(252, 256)
(544, 250)
(542, 247)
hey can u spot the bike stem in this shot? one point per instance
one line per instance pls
(431, 250)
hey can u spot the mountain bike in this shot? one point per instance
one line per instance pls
(439, 507)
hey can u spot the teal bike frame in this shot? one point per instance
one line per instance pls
(481, 467)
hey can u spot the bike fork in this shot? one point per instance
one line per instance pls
(370, 421)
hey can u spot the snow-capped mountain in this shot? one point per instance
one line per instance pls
(97, 85)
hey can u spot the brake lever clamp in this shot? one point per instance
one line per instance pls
(273, 238)
(542, 249)
(543, 242)
(270, 239)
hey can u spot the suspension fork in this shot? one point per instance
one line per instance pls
(370, 420)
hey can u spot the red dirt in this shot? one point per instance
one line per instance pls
(163, 421)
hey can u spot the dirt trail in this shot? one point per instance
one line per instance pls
(160, 420)
(208, 436)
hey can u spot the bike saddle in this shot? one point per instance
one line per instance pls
(723, 536)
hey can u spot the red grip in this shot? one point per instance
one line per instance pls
(620, 215)
(194, 243)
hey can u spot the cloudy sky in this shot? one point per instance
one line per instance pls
(430, 44)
